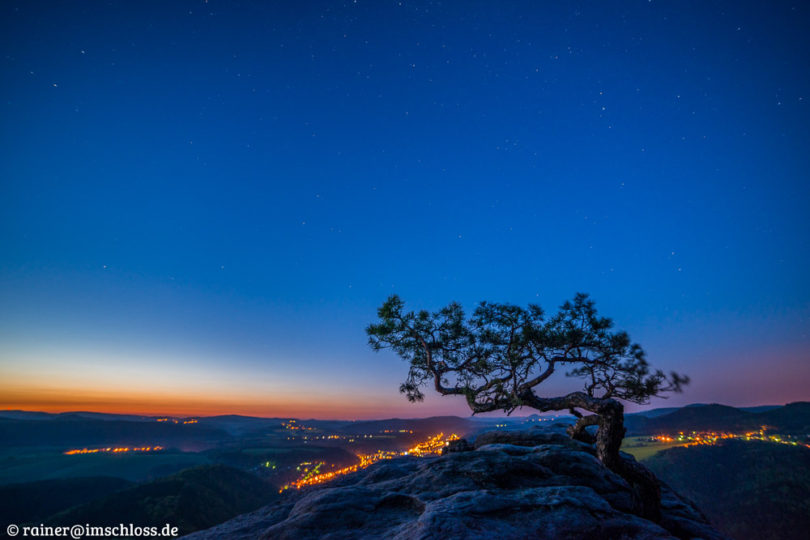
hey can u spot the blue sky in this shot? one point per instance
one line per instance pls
(203, 203)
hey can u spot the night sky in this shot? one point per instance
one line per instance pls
(202, 204)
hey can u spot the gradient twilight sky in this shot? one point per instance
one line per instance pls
(203, 203)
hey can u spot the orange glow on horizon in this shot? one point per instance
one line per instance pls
(183, 405)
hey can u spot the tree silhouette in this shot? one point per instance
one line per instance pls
(499, 356)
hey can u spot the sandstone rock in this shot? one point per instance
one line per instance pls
(460, 445)
(532, 437)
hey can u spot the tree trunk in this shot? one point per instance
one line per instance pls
(645, 486)
(579, 432)
(610, 433)
(609, 417)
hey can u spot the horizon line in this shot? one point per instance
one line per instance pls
(471, 416)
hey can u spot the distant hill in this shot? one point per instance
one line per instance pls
(24, 428)
(794, 418)
(239, 425)
(191, 500)
(32, 502)
(422, 426)
(32, 429)
(653, 413)
(74, 430)
(105, 416)
(760, 408)
(749, 490)
(35, 415)
(661, 411)
(26, 415)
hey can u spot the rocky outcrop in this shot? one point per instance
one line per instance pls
(529, 484)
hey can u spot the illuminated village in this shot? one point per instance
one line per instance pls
(112, 450)
(696, 438)
(176, 420)
(312, 475)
